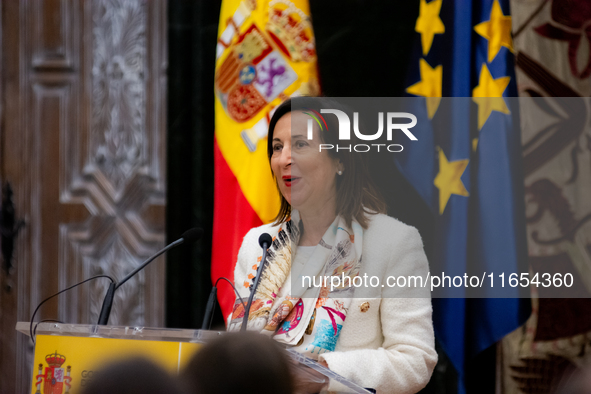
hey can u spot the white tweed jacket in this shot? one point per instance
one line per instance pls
(389, 346)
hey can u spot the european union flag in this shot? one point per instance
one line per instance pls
(467, 164)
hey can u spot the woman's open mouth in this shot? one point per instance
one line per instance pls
(290, 180)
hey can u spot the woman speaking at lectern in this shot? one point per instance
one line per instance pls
(332, 223)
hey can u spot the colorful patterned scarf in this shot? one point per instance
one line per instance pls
(310, 317)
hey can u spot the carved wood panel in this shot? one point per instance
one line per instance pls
(85, 126)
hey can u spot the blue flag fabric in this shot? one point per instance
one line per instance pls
(466, 164)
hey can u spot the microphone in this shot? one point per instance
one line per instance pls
(188, 236)
(207, 318)
(192, 235)
(265, 241)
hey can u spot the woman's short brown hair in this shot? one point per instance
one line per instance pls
(356, 192)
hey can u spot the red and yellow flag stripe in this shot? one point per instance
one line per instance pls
(265, 53)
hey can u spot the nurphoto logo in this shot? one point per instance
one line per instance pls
(345, 129)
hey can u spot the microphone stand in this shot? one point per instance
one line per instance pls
(190, 235)
(206, 325)
(265, 241)
(110, 296)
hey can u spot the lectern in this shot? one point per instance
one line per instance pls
(67, 354)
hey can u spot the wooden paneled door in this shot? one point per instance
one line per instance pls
(82, 144)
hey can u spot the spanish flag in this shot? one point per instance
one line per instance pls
(265, 54)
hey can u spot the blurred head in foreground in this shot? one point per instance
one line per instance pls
(576, 382)
(237, 363)
(132, 376)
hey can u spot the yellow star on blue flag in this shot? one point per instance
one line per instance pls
(466, 166)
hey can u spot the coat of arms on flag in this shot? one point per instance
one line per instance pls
(256, 65)
(265, 53)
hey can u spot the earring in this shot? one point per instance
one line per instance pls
(340, 172)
